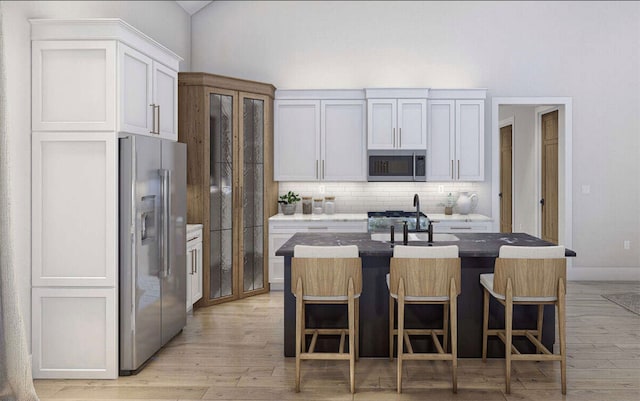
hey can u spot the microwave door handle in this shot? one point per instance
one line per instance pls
(414, 166)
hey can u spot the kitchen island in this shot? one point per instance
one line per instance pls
(477, 252)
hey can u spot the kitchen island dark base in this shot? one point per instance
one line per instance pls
(374, 315)
(477, 252)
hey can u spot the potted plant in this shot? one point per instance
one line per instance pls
(449, 203)
(288, 202)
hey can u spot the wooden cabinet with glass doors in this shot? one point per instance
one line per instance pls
(227, 124)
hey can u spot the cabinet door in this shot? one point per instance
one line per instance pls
(136, 112)
(276, 263)
(190, 273)
(165, 97)
(470, 140)
(343, 141)
(381, 123)
(75, 209)
(74, 85)
(196, 275)
(74, 333)
(441, 140)
(412, 124)
(297, 140)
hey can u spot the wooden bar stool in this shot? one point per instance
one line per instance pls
(425, 275)
(326, 275)
(527, 276)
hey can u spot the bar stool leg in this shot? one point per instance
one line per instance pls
(400, 332)
(445, 326)
(299, 330)
(540, 319)
(485, 323)
(357, 328)
(453, 299)
(562, 333)
(352, 341)
(391, 317)
(508, 321)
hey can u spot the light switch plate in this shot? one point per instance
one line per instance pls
(586, 189)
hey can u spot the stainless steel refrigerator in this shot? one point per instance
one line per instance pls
(153, 217)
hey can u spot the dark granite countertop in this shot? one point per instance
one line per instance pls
(472, 245)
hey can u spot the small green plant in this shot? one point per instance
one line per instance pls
(289, 198)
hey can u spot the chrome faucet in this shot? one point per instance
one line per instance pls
(416, 203)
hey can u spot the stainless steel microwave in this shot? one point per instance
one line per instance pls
(397, 165)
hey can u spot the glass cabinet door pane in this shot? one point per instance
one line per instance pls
(252, 190)
(221, 195)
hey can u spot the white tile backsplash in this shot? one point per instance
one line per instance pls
(360, 197)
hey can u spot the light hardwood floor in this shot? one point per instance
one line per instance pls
(234, 352)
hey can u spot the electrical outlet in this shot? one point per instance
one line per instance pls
(321, 189)
(440, 188)
(586, 189)
(626, 244)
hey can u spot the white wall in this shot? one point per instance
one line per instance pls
(586, 50)
(164, 21)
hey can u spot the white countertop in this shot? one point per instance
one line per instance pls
(320, 217)
(435, 217)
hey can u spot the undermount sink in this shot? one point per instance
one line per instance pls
(414, 237)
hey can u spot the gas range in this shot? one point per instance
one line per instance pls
(382, 221)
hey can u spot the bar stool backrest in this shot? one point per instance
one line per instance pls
(326, 271)
(426, 271)
(534, 271)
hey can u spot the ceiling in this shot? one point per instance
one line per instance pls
(193, 7)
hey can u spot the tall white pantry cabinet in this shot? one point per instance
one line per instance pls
(92, 81)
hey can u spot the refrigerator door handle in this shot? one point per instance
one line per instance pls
(166, 207)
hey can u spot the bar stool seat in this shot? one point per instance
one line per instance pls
(326, 275)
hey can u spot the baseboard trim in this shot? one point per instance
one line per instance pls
(576, 273)
(276, 286)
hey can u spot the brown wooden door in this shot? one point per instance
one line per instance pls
(506, 173)
(549, 184)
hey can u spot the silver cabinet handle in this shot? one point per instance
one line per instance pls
(195, 259)
(458, 168)
(158, 116)
(318, 228)
(460, 228)
(394, 137)
(323, 169)
(317, 175)
(400, 137)
(153, 118)
(414, 166)
(452, 169)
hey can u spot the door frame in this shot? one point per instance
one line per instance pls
(503, 123)
(565, 172)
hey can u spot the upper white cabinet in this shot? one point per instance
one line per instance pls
(319, 136)
(397, 118)
(455, 150)
(102, 75)
(73, 85)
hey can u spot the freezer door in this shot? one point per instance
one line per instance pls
(174, 283)
(140, 264)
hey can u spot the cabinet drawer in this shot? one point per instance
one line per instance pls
(462, 227)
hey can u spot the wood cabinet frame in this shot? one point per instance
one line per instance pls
(194, 90)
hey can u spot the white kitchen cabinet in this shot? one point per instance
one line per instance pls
(125, 82)
(92, 80)
(455, 149)
(462, 226)
(194, 264)
(319, 138)
(397, 124)
(282, 228)
(75, 332)
(73, 85)
(397, 118)
(343, 140)
(296, 140)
